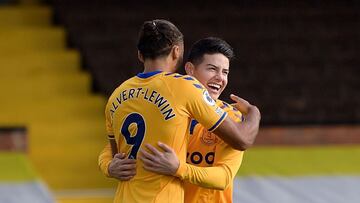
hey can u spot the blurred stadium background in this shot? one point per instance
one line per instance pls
(298, 61)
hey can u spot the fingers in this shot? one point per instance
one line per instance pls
(122, 173)
(238, 99)
(122, 169)
(147, 155)
(147, 162)
(153, 150)
(127, 166)
(122, 164)
(148, 159)
(165, 163)
(234, 97)
(151, 168)
(165, 147)
(123, 176)
(127, 173)
(127, 161)
(240, 104)
(119, 156)
(123, 159)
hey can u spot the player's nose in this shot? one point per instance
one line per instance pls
(219, 77)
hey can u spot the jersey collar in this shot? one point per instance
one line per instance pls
(148, 74)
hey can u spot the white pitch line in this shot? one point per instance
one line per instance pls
(88, 193)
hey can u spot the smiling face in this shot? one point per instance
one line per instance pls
(212, 72)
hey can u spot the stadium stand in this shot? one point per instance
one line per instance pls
(296, 60)
(44, 89)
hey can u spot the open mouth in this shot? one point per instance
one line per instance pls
(214, 87)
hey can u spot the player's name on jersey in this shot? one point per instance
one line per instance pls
(149, 95)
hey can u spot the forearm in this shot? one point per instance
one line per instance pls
(216, 177)
(250, 127)
(242, 135)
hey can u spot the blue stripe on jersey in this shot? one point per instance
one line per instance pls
(242, 118)
(198, 86)
(226, 104)
(178, 76)
(218, 122)
(189, 78)
(148, 74)
(192, 126)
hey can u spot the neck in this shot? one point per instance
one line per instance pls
(158, 65)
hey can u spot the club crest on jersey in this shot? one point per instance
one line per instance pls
(219, 111)
(208, 99)
(208, 138)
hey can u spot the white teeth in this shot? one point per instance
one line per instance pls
(216, 86)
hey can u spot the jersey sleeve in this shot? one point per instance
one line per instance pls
(233, 113)
(105, 156)
(226, 164)
(195, 101)
(229, 157)
(218, 176)
(104, 160)
(108, 120)
(225, 154)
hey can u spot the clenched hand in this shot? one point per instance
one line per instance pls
(122, 168)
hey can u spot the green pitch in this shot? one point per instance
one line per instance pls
(298, 161)
(15, 167)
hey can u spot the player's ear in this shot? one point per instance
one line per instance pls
(140, 57)
(176, 52)
(189, 68)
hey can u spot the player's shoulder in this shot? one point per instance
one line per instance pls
(120, 88)
(232, 111)
(182, 81)
(225, 106)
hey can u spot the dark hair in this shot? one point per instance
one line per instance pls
(157, 37)
(209, 45)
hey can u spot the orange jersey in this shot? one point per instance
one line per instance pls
(152, 107)
(214, 163)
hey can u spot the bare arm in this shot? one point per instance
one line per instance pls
(242, 135)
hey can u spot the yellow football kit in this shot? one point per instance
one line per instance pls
(152, 107)
(214, 163)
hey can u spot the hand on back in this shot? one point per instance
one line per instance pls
(122, 168)
(164, 162)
